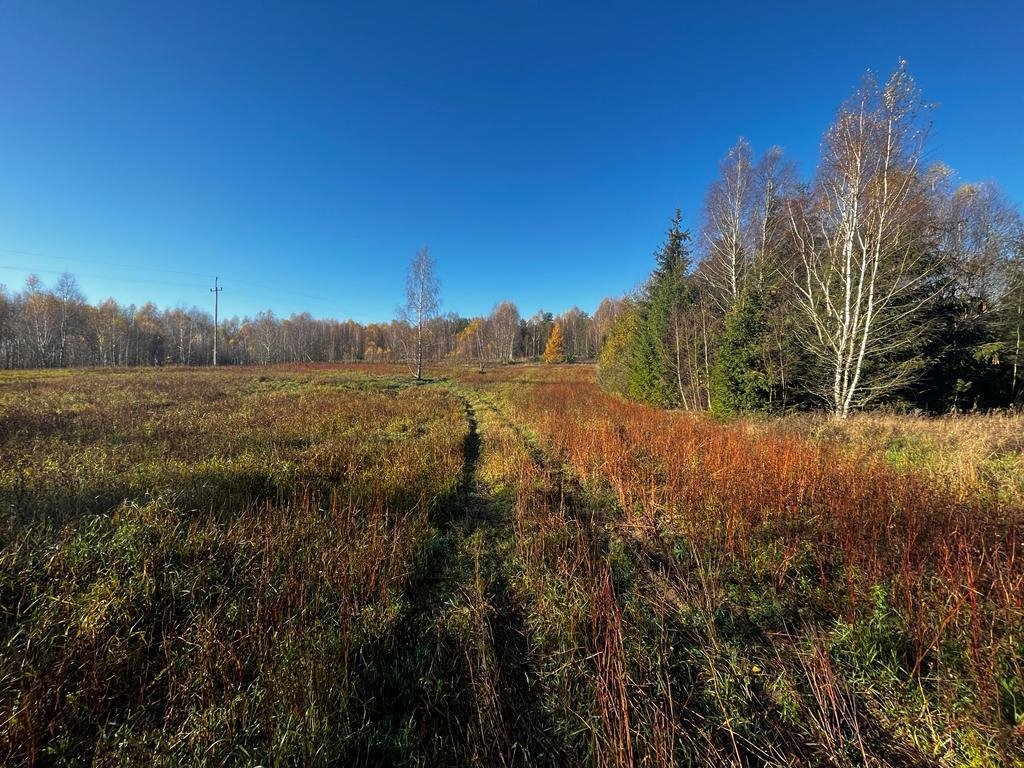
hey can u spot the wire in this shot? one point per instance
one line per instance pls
(192, 286)
(17, 268)
(272, 290)
(103, 263)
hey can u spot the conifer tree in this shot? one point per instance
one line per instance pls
(554, 352)
(740, 381)
(655, 366)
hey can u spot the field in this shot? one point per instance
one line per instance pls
(336, 565)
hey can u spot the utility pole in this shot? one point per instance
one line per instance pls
(216, 292)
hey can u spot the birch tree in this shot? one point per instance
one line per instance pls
(604, 319)
(1015, 324)
(726, 228)
(421, 289)
(743, 229)
(863, 242)
(39, 319)
(983, 238)
(772, 185)
(504, 322)
(70, 298)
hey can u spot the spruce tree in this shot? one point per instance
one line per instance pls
(740, 381)
(667, 295)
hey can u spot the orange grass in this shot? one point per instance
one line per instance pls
(784, 507)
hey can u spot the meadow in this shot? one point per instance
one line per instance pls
(335, 565)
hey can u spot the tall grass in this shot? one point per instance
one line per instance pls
(329, 565)
(886, 606)
(207, 567)
(974, 454)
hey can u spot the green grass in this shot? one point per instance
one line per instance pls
(332, 565)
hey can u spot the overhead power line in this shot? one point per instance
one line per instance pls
(103, 263)
(22, 268)
(272, 290)
(329, 306)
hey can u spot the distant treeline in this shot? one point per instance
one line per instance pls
(879, 281)
(46, 327)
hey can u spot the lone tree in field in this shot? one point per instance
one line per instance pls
(554, 352)
(422, 301)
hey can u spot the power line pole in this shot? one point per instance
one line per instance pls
(216, 293)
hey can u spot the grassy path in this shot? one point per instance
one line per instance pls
(465, 688)
(539, 630)
(494, 568)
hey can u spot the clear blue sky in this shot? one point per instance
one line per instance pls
(303, 151)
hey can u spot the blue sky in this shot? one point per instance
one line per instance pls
(303, 151)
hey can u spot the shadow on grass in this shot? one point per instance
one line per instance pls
(456, 682)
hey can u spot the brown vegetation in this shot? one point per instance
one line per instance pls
(330, 565)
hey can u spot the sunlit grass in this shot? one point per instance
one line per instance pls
(325, 565)
(194, 562)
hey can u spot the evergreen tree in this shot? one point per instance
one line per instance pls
(654, 370)
(554, 352)
(961, 357)
(648, 379)
(740, 379)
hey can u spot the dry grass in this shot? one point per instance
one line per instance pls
(909, 587)
(329, 565)
(199, 566)
(971, 453)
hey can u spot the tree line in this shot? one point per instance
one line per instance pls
(881, 280)
(54, 326)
